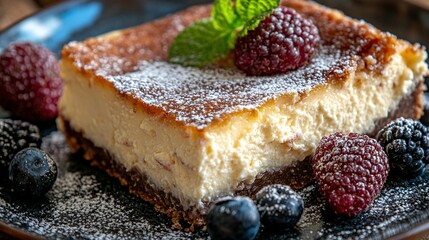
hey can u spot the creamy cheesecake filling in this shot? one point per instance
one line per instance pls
(290, 128)
(196, 166)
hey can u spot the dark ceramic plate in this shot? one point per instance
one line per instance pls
(85, 203)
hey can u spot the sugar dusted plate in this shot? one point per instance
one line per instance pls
(87, 204)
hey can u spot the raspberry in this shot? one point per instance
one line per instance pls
(283, 41)
(16, 135)
(406, 143)
(30, 80)
(350, 171)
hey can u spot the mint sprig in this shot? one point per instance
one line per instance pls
(200, 44)
(249, 9)
(223, 15)
(211, 39)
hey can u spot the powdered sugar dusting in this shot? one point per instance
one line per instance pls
(134, 60)
(85, 203)
(199, 96)
(400, 205)
(278, 201)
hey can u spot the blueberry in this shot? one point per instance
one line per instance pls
(32, 173)
(233, 218)
(279, 206)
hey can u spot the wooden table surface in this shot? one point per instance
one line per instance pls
(13, 10)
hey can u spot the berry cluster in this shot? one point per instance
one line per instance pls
(31, 87)
(351, 169)
(31, 171)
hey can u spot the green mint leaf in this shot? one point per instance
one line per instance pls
(223, 15)
(211, 39)
(248, 10)
(252, 24)
(200, 44)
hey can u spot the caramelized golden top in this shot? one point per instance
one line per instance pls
(133, 61)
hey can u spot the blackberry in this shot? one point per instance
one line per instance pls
(32, 173)
(233, 218)
(283, 41)
(16, 135)
(406, 143)
(350, 171)
(279, 206)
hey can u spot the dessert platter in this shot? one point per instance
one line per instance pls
(183, 130)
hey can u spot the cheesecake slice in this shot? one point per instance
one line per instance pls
(181, 137)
